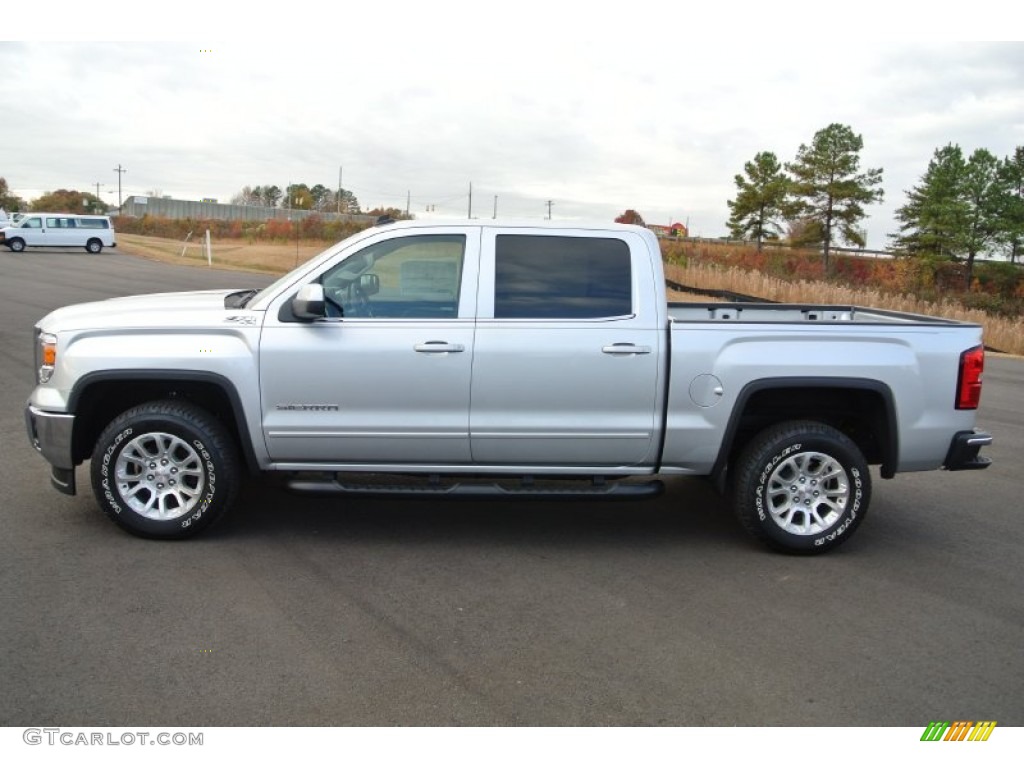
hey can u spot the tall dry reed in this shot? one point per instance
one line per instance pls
(1000, 333)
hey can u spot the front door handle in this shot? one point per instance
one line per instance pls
(435, 347)
(626, 349)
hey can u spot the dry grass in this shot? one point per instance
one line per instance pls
(227, 254)
(1001, 333)
(691, 297)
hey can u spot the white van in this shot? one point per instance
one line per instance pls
(59, 230)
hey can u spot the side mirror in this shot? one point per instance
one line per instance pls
(369, 284)
(308, 303)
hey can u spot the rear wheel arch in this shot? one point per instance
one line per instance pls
(862, 409)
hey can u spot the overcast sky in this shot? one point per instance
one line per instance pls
(598, 107)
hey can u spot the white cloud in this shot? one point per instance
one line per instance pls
(633, 107)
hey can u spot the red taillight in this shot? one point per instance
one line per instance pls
(968, 383)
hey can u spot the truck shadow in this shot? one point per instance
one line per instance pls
(689, 510)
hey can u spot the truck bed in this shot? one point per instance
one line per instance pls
(702, 312)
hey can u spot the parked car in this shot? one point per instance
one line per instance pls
(59, 230)
(523, 357)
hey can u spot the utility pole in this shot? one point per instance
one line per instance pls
(408, 198)
(495, 207)
(339, 188)
(470, 215)
(549, 204)
(119, 171)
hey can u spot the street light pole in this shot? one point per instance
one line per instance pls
(119, 170)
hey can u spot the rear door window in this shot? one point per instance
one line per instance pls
(550, 277)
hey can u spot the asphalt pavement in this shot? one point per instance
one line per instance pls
(304, 611)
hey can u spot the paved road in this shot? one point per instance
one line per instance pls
(308, 612)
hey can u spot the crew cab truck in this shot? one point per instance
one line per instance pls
(498, 359)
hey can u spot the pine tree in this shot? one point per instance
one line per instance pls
(1011, 213)
(984, 193)
(935, 212)
(829, 189)
(761, 200)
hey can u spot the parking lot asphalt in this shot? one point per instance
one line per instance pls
(303, 611)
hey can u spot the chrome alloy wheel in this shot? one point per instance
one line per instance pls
(159, 476)
(807, 493)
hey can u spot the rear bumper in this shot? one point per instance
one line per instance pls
(963, 451)
(50, 434)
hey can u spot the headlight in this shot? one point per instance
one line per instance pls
(47, 356)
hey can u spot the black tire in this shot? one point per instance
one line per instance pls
(802, 487)
(94, 246)
(17, 245)
(165, 470)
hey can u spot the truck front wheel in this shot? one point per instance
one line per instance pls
(802, 487)
(165, 470)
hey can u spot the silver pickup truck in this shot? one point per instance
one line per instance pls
(498, 359)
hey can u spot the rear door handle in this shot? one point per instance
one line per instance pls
(434, 347)
(625, 349)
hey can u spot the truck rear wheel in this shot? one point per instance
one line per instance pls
(802, 487)
(94, 245)
(165, 470)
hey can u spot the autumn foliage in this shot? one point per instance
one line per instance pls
(269, 231)
(996, 288)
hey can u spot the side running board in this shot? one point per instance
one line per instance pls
(436, 486)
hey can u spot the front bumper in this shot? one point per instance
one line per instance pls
(963, 451)
(51, 434)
